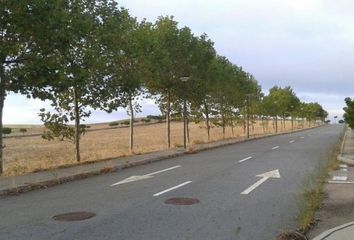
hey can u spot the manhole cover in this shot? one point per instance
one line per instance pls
(182, 201)
(73, 216)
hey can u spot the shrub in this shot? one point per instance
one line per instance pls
(125, 122)
(112, 124)
(146, 120)
(6, 131)
(23, 130)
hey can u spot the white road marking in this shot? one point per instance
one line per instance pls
(343, 165)
(340, 182)
(146, 176)
(276, 147)
(164, 170)
(172, 188)
(340, 178)
(292, 141)
(302, 137)
(245, 159)
(344, 170)
(264, 177)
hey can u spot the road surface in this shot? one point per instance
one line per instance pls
(247, 191)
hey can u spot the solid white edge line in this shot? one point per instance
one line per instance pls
(340, 182)
(276, 147)
(164, 170)
(172, 188)
(245, 159)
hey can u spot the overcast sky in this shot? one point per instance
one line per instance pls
(307, 44)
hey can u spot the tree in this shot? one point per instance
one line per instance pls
(81, 62)
(349, 112)
(127, 46)
(23, 130)
(6, 131)
(171, 60)
(26, 46)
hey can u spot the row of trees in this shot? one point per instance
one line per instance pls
(91, 54)
(349, 112)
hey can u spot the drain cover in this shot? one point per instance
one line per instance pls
(73, 216)
(182, 201)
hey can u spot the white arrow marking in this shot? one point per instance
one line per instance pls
(264, 177)
(146, 176)
(245, 159)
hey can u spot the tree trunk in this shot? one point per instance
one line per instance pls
(188, 139)
(77, 124)
(223, 121)
(207, 119)
(232, 126)
(223, 125)
(2, 100)
(168, 124)
(244, 122)
(131, 125)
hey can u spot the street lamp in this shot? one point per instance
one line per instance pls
(276, 117)
(292, 117)
(184, 80)
(248, 114)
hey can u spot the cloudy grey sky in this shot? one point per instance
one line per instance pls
(307, 44)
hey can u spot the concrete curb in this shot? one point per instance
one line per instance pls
(195, 149)
(346, 160)
(342, 158)
(330, 232)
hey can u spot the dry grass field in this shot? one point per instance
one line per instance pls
(27, 154)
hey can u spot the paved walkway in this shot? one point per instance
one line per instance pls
(342, 180)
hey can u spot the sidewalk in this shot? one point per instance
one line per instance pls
(336, 215)
(347, 154)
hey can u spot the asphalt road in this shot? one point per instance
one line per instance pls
(136, 210)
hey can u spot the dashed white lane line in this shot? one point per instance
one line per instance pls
(276, 147)
(302, 137)
(172, 188)
(164, 170)
(245, 159)
(143, 177)
(292, 141)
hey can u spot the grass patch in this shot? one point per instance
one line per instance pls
(311, 199)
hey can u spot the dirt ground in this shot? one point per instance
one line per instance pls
(31, 153)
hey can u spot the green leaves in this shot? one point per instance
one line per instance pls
(349, 112)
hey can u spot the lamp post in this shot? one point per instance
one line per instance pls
(292, 117)
(248, 114)
(276, 117)
(184, 80)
